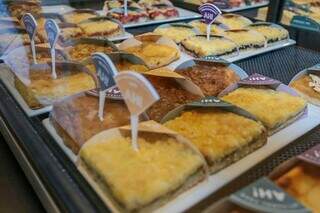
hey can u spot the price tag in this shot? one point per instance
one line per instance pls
(138, 94)
(105, 71)
(209, 13)
(311, 156)
(53, 32)
(31, 27)
(258, 79)
(264, 196)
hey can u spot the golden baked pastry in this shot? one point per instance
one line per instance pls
(18, 9)
(43, 87)
(155, 55)
(81, 51)
(209, 78)
(168, 167)
(222, 137)
(274, 109)
(271, 33)
(308, 87)
(234, 21)
(303, 183)
(100, 27)
(246, 39)
(176, 33)
(77, 17)
(76, 118)
(66, 32)
(202, 27)
(199, 46)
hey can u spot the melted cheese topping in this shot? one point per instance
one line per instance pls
(272, 107)
(77, 17)
(234, 22)
(99, 28)
(202, 27)
(271, 33)
(202, 47)
(138, 178)
(175, 33)
(246, 38)
(216, 133)
(155, 55)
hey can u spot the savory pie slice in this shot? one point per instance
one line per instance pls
(169, 167)
(67, 31)
(176, 33)
(308, 86)
(233, 21)
(303, 183)
(246, 39)
(222, 137)
(202, 27)
(155, 55)
(80, 51)
(42, 88)
(199, 46)
(271, 32)
(75, 17)
(275, 109)
(100, 27)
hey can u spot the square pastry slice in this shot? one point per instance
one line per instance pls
(233, 21)
(176, 33)
(141, 180)
(222, 137)
(246, 39)
(77, 17)
(275, 109)
(271, 32)
(100, 27)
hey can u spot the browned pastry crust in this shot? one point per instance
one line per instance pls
(211, 79)
(76, 119)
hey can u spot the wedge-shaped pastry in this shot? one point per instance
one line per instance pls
(246, 39)
(303, 183)
(271, 32)
(156, 51)
(199, 46)
(176, 32)
(275, 109)
(77, 16)
(38, 88)
(233, 21)
(222, 135)
(212, 78)
(101, 26)
(216, 28)
(76, 118)
(308, 86)
(168, 164)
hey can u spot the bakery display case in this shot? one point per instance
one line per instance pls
(229, 107)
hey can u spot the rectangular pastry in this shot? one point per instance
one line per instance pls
(168, 165)
(246, 39)
(41, 89)
(176, 32)
(100, 27)
(275, 109)
(201, 26)
(223, 137)
(160, 12)
(134, 15)
(233, 21)
(199, 46)
(77, 16)
(271, 32)
(303, 183)
(76, 118)
(308, 86)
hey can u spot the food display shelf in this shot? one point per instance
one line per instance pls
(60, 186)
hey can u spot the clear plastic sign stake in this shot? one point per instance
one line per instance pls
(139, 95)
(106, 71)
(53, 32)
(31, 25)
(209, 13)
(125, 7)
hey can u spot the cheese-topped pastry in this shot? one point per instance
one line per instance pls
(246, 39)
(234, 21)
(200, 46)
(81, 51)
(303, 183)
(308, 86)
(272, 108)
(222, 137)
(101, 27)
(175, 33)
(154, 55)
(43, 87)
(135, 180)
(202, 27)
(271, 33)
(77, 17)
